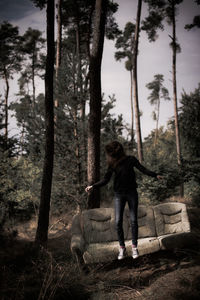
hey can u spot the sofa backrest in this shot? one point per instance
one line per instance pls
(98, 225)
(146, 222)
(171, 218)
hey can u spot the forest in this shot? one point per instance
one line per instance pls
(62, 133)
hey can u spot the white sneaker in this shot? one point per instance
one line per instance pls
(135, 253)
(122, 253)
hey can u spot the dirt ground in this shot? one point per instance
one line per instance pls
(165, 275)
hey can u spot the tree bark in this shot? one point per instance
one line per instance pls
(157, 122)
(94, 124)
(177, 133)
(6, 106)
(59, 36)
(135, 84)
(132, 110)
(33, 76)
(58, 47)
(43, 220)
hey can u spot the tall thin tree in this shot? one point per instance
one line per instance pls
(33, 43)
(171, 18)
(167, 9)
(135, 83)
(94, 124)
(10, 62)
(59, 35)
(125, 43)
(158, 92)
(43, 221)
(58, 56)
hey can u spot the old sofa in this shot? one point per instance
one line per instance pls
(94, 238)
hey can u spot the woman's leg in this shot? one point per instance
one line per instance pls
(119, 210)
(133, 208)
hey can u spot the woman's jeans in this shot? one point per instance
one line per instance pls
(120, 202)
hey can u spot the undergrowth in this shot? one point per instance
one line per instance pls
(55, 275)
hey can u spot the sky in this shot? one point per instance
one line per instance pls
(154, 58)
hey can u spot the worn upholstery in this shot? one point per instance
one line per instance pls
(172, 225)
(171, 218)
(94, 235)
(98, 225)
(146, 222)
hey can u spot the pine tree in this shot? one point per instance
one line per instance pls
(158, 92)
(125, 43)
(10, 61)
(43, 220)
(94, 123)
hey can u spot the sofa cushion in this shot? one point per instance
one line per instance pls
(102, 252)
(177, 240)
(146, 222)
(171, 218)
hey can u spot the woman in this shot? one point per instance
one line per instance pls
(125, 188)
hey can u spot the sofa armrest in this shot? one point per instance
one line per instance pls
(77, 243)
(77, 239)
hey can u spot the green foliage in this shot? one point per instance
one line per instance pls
(171, 9)
(111, 30)
(21, 168)
(81, 12)
(151, 24)
(10, 57)
(196, 23)
(158, 91)
(189, 119)
(162, 160)
(31, 121)
(196, 20)
(153, 21)
(20, 185)
(192, 191)
(31, 47)
(154, 191)
(40, 3)
(125, 42)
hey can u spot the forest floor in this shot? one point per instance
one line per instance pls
(165, 275)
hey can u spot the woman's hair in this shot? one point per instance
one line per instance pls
(114, 153)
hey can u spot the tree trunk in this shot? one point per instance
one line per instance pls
(33, 77)
(58, 47)
(6, 106)
(79, 66)
(59, 36)
(43, 220)
(135, 84)
(132, 110)
(94, 124)
(177, 133)
(80, 90)
(157, 122)
(22, 138)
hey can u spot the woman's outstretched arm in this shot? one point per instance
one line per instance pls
(102, 182)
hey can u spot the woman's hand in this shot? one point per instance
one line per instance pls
(88, 188)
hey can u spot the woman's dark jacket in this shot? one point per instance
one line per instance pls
(124, 180)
